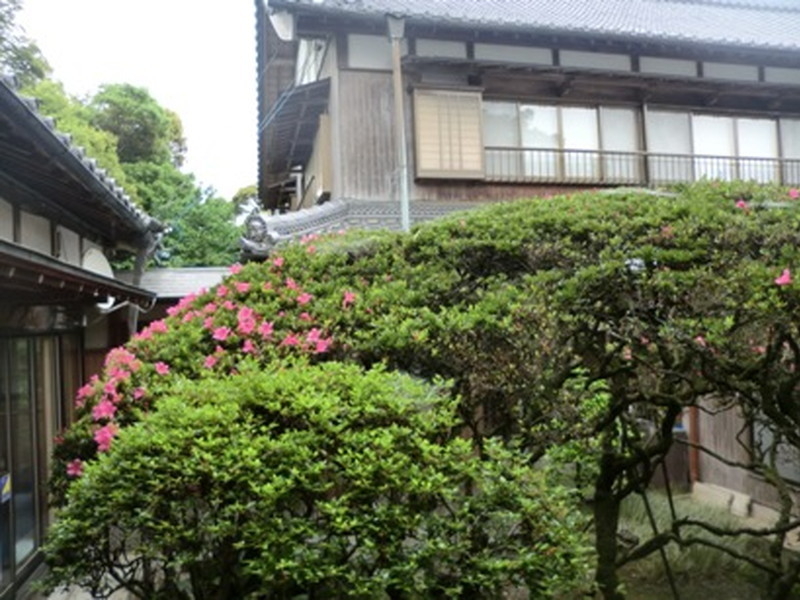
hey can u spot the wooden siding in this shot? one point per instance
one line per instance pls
(719, 432)
(366, 149)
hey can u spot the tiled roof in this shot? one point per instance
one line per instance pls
(766, 24)
(112, 194)
(169, 283)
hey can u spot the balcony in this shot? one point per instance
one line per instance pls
(603, 167)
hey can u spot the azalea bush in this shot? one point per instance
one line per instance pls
(559, 323)
(324, 480)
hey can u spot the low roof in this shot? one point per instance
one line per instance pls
(746, 24)
(33, 278)
(172, 283)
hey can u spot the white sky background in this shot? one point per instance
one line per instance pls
(196, 57)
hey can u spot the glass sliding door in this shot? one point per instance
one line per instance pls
(37, 374)
(669, 143)
(5, 473)
(715, 147)
(540, 140)
(790, 146)
(501, 135)
(23, 450)
(758, 150)
(580, 142)
(619, 131)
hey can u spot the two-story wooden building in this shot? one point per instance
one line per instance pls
(452, 102)
(515, 98)
(60, 307)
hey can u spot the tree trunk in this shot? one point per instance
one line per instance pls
(606, 520)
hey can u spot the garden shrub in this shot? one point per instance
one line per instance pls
(657, 299)
(322, 480)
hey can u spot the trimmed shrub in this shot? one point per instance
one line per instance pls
(322, 480)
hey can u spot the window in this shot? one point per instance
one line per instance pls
(449, 140)
(554, 143)
(685, 146)
(790, 146)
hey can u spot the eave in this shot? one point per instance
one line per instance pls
(28, 277)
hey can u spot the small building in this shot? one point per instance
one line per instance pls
(61, 308)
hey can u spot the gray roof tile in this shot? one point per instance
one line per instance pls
(766, 24)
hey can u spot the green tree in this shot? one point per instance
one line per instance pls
(19, 56)
(145, 131)
(74, 117)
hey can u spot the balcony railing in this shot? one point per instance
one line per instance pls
(592, 167)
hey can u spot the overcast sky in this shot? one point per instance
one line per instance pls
(196, 57)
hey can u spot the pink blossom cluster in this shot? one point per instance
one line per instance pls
(232, 328)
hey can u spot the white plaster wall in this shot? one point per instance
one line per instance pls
(595, 60)
(714, 70)
(514, 54)
(780, 75)
(369, 52)
(441, 48)
(35, 233)
(667, 66)
(69, 249)
(6, 221)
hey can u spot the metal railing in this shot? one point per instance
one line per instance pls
(547, 165)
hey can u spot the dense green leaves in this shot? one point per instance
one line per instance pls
(325, 480)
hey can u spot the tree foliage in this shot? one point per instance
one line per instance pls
(19, 55)
(577, 329)
(325, 480)
(145, 131)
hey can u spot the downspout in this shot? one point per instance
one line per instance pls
(146, 251)
(396, 26)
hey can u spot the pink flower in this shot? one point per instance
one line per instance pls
(210, 361)
(314, 335)
(794, 193)
(242, 287)
(743, 205)
(104, 410)
(304, 298)
(304, 316)
(221, 333)
(158, 326)
(104, 435)
(759, 349)
(235, 268)
(208, 323)
(245, 313)
(139, 393)
(290, 340)
(701, 341)
(75, 468)
(291, 284)
(785, 278)
(210, 307)
(311, 249)
(348, 299)
(162, 368)
(266, 329)
(144, 334)
(322, 345)
(191, 315)
(248, 347)
(309, 238)
(267, 286)
(228, 305)
(222, 291)
(246, 326)
(278, 262)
